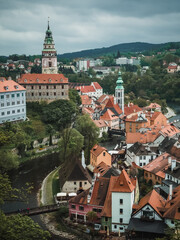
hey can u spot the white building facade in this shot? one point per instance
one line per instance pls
(12, 101)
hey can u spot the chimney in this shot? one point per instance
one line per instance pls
(173, 164)
(9, 78)
(83, 160)
(170, 191)
(169, 160)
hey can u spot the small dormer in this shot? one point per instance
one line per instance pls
(49, 80)
(37, 80)
(25, 80)
(6, 87)
(61, 80)
(16, 86)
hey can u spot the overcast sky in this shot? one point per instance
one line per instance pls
(85, 24)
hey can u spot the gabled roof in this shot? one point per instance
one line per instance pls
(154, 199)
(108, 116)
(123, 183)
(131, 109)
(100, 123)
(146, 137)
(155, 115)
(96, 85)
(85, 89)
(158, 164)
(139, 149)
(10, 86)
(169, 130)
(80, 198)
(173, 206)
(42, 79)
(97, 150)
(86, 100)
(99, 191)
(113, 107)
(101, 168)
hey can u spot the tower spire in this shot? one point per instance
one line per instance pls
(119, 92)
(48, 24)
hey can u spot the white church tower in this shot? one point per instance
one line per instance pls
(119, 92)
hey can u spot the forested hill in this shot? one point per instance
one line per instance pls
(123, 48)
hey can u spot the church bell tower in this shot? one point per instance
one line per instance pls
(49, 54)
(119, 92)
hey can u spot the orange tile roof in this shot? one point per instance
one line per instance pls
(10, 86)
(154, 199)
(123, 183)
(106, 212)
(86, 100)
(155, 115)
(108, 116)
(42, 79)
(169, 130)
(100, 123)
(99, 191)
(96, 85)
(146, 137)
(172, 206)
(97, 150)
(103, 98)
(131, 109)
(158, 164)
(85, 89)
(154, 105)
(101, 168)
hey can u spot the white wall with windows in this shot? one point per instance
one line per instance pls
(12, 106)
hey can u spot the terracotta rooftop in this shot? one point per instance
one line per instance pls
(85, 89)
(99, 191)
(169, 130)
(100, 123)
(154, 105)
(101, 168)
(131, 109)
(108, 116)
(96, 85)
(146, 137)
(123, 183)
(158, 164)
(154, 199)
(97, 150)
(10, 86)
(86, 100)
(42, 79)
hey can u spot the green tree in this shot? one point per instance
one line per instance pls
(88, 129)
(8, 160)
(17, 227)
(74, 97)
(71, 143)
(92, 216)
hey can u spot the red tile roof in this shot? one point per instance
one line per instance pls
(158, 164)
(100, 123)
(97, 150)
(85, 89)
(169, 130)
(10, 86)
(101, 168)
(96, 85)
(108, 116)
(146, 137)
(123, 183)
(154, 199)
(42, 79)
(86, 100)
(131, 109)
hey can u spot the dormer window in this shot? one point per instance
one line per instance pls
(49, 80)
(6, 87)
(16, 86)
(61, 80)
(25, 80)
(37, 80)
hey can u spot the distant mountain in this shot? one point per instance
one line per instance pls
(123, 48)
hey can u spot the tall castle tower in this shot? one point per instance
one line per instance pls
(49, 54)
(119, 92)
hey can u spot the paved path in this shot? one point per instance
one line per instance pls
(170, 113)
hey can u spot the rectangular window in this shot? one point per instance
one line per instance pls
(81, 208)
(54, 93)
(12, 95)
(2, 96)
(2, 113)
(54, 87)
(39, 94)
(13, 111)
(73, 206)
(121, 211)
(32, 94)
(8, 112)
(18, 102)
(18, 95)
(23, 110)
(121, 220)
(62, 94)
(47, 94)
(2, 104)
(106, 219)
(8, 103)
(121, 201)
(32, 87)
(39, 87)
(18, 110)
(7, 96)
(115, 226)
(13, 103)
(74, 183)
(47, 87)
(62, 86)
(22, 94)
